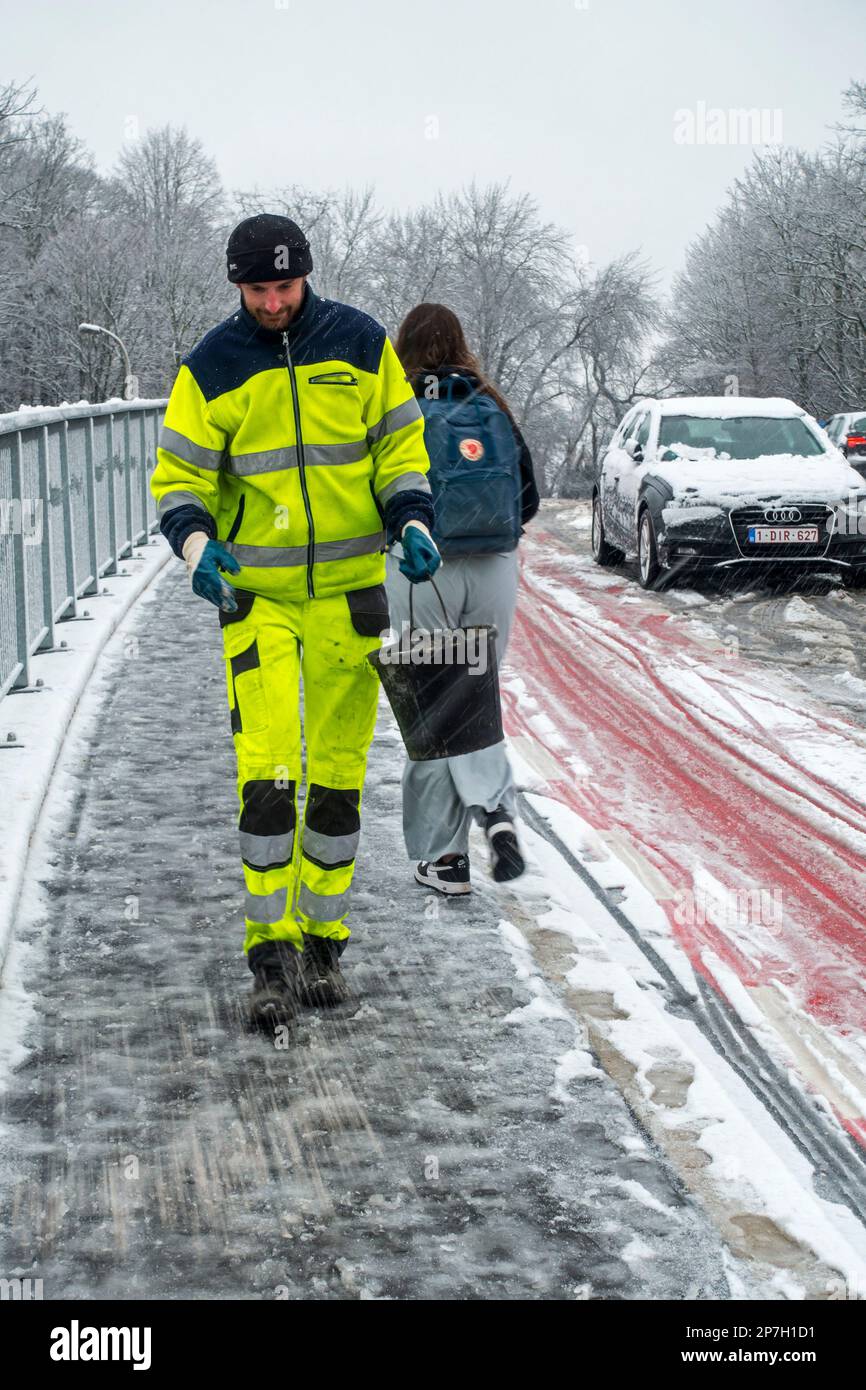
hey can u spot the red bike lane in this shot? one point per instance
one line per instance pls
(611, 679)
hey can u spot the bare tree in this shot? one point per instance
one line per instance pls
(163, 175)
(46, 178)
(168, 187)
(16, 112)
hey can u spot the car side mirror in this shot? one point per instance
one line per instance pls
(634, 450)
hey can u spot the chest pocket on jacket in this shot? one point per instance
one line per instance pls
(333, 379)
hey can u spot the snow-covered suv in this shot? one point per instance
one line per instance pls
(723, 482)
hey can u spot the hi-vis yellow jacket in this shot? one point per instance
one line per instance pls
(298, 450)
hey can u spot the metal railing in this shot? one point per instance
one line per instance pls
(74, 500)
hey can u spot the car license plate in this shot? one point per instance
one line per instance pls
(783, 535)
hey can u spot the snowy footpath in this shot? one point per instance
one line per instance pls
(448, 1136)
(524, 1099)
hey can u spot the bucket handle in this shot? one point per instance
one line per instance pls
(411, 607)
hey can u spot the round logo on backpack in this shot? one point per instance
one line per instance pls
(472, 449)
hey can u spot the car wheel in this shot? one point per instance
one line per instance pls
(602, 553)
(647, 555)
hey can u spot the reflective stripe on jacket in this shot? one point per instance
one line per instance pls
(292, 447)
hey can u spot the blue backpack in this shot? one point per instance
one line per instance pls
(474, 471)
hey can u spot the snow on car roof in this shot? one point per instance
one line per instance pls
(718, 407)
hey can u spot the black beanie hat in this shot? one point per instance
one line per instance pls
(267, 247)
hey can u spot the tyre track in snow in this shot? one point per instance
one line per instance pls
(839, 1164)
(844, 808)
(847, 867)
(684, 796)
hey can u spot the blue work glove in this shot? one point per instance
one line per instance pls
(421, 559)
(204, 560)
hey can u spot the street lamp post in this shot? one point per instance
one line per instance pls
(130, 384)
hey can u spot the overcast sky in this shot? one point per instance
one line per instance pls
(573, 100)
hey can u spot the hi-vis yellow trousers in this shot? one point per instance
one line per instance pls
(298, 878)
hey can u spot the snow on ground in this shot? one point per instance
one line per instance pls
(451, 1135)
(827, 747)
(679, 1083)
(39, 718)
(689, 598)
(553, 1012)
(592, 673)
(852, 682)
(579, 516)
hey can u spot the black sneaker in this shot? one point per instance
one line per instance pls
(450, 878)
(506, 861)
(275, 997)
(322, 981)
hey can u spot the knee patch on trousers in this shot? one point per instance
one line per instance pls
(332, 826)
(267, 824)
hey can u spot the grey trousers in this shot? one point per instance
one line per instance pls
(442, 797)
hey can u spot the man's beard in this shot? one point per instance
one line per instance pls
(276, 322)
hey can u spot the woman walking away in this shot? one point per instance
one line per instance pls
(484, 490)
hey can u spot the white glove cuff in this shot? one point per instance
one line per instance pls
(192, 549)
(420, 525)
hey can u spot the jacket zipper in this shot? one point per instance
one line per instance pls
(301, 470)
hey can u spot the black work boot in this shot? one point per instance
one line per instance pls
(322, 981)
(276, 992)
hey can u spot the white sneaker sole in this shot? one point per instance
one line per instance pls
(449, 889)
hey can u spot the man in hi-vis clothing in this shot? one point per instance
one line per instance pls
(291, 452)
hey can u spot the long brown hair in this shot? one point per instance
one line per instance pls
(430, 337)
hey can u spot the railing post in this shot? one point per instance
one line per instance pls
(47, 557)
(68, 538)
(145, 493)
(127, 477)
(19, 567)
(111, 567)
(90, 480)
(155, 447)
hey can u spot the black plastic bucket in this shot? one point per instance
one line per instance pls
(443, 687)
